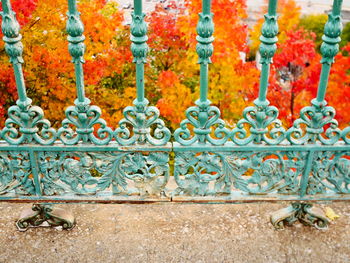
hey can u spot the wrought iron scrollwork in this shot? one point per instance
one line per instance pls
(206, 122)
(120, 173)
(219, 173)
(305, 213)
(83, 117)
(141, 124)
(262, 118)
(264, 126)
(318, 119)
(46, 213)
(315, 118)
(15, 174)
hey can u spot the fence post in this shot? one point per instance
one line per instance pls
(82, 117)
(204, 118)
(141, 123)
(25, 122)
(318, 115)
(262, 118)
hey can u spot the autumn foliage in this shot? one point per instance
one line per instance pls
(172, 73)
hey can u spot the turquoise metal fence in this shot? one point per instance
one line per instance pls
(87, 161)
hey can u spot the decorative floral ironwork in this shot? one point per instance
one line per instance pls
(217, 173)
(15, 173)
(264, 126)
(268, 39)
(319, 116)
(330, 173)
(331, 38)
(79, 125)
(89, 173)
(262, 118)
(205, 30)
(26, 124)
(141, 124)
(206, 121)
(139, 47)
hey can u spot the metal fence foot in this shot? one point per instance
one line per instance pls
(43, 215)
(305, 213)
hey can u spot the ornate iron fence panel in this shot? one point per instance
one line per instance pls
(259, 159)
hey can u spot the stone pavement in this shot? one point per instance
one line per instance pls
(175, 233)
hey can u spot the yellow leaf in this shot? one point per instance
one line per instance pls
(331, 214)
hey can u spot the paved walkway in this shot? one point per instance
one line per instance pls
(175, 233)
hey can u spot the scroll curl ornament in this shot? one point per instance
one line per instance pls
(206, 121)
(315, 118)
(264, 125)
(345, 135)
(45, 213)
(305, 213)
(83, 117)
(25, 123)
(141, 124)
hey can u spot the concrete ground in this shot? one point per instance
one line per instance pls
(175, 233)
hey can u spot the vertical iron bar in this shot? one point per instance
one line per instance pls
(75, 29)
(203, 82)
(306, 174)
(272, 9)
(206, 11)
(140, 85)
(329, 48)
(79, 79)
(14, 48)
(139, 48)
(35, 172)
(264, 82)
(267, 48)
(21, 89)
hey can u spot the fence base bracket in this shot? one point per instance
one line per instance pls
(43, 215)
(305, 213)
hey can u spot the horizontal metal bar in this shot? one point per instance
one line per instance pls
(176, 147)
(229, 146)
(237, 197)
(112, 146)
